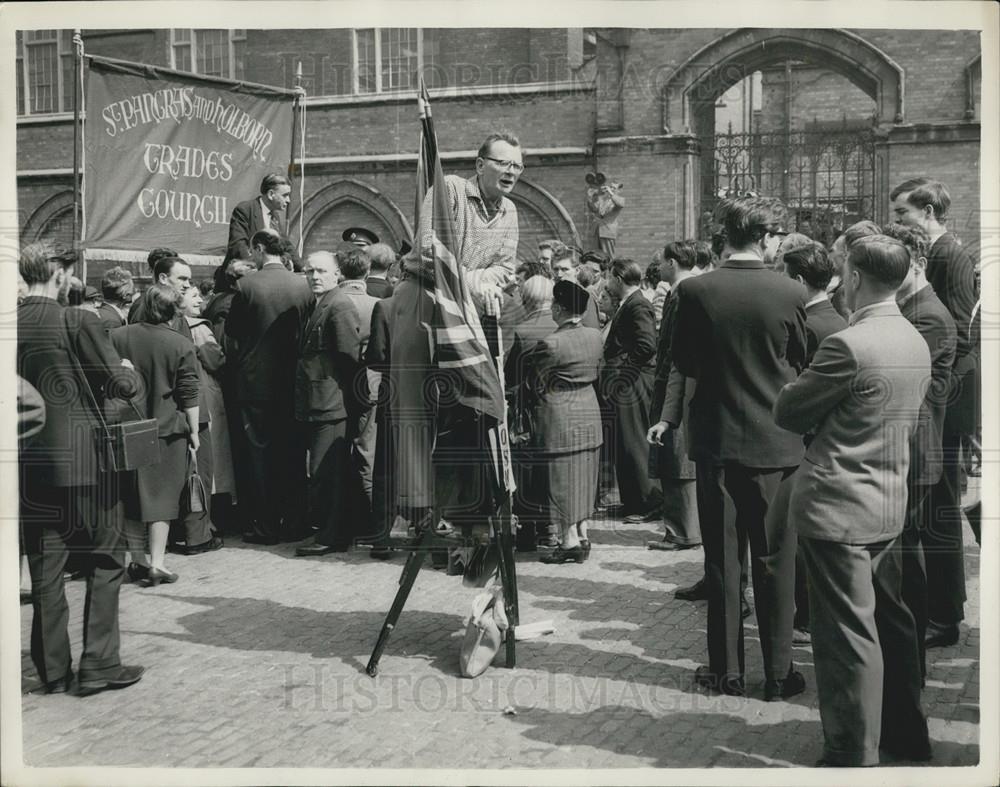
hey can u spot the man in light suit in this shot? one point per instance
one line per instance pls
(740, 333)
(266, 211)
(862, 394)
(265, 321)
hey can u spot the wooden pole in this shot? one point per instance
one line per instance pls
(77, 62)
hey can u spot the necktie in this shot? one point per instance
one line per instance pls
(275, 224)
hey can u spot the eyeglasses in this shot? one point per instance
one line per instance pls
(506, 165)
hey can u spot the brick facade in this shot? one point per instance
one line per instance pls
(610, 112)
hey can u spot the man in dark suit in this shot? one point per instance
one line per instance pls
(117, 289)
(265, 320)
(627, 387)
(266, 211)
(67, 503)
(863, 394)
(951, 271)
(810, 266)
(382, 258)
(925, 312)
(328, 404)
(669, 458)
(740, 333)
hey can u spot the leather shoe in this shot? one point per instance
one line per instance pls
(125, 676)
(728, 685)
(156, 576)
(792, 684)
(696, 592)
(380, 553)
(60, 686)
(261, 539)
(669, 546)
(940, 635)
(559, 556)
(745, 609)
(136, 572)
(314, 550)
(914, 751)
(585, 546)
(211, 545)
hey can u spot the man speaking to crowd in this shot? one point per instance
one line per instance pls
(266, 211)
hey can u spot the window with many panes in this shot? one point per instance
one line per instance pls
(389, 59)
(214, 53)
(44, 71)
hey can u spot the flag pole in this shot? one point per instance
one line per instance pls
(77, 79)
(300, 112)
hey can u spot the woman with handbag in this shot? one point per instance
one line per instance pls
(169, 368)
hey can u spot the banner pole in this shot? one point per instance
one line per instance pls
(77, 60)
(300, 104)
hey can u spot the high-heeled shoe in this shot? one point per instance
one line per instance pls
(137, 572)
(156, 576)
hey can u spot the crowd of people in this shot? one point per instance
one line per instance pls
(757, 394)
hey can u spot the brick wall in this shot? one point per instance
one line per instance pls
(624, 102)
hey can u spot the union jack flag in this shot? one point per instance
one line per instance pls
(460, 344)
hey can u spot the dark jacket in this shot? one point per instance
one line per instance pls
(378, 287)
(56, 455)
(109, 316)
(822, 319)
(246, 221)
(168, 364)
(929, 316)
(265, 320)
(326, 377)
(630, 348)
(740, 332)
(672, 393)
(951, 271)
(527, 334)
(565, 365)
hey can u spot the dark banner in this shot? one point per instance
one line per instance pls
(168, 156)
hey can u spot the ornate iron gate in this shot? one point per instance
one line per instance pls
(826, 179)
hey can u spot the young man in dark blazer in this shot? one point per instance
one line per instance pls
(810, 266)
(67, 502)
(951, 271)
(864, 391)
(925, 312)
(627, 387)
(265, 321)
(740, 333)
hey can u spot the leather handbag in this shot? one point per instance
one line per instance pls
(196, 499)
(123, 446)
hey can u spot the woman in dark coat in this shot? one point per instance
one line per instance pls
(566, 364)
(169, 368)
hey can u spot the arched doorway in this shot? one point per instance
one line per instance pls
(52, 221)
(540, 217)
(794, 114)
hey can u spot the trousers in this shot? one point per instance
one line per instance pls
(865, 650)
(725, 531)
(87, 521)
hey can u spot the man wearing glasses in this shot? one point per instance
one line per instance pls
(485, 222)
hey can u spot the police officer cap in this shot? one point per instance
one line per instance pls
(571, 296)
(359, 235)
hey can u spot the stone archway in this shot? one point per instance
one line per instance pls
(715, 68)
(49, 220)
(345, 203)
(689, 97)
(541, 216)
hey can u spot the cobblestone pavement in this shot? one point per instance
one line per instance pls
(256, 658)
